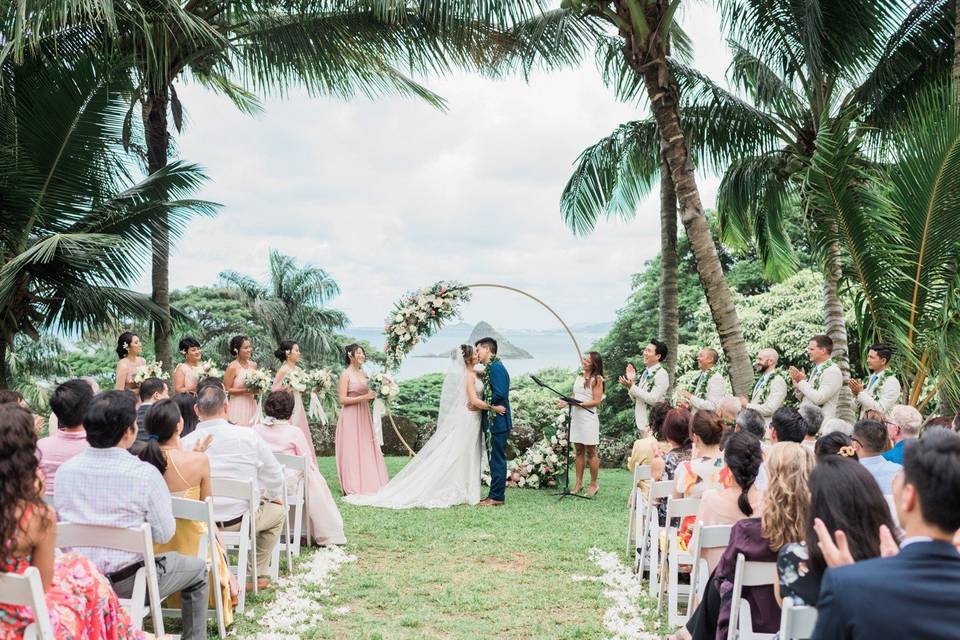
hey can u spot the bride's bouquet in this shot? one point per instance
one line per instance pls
(259, 381)
(207, 369)
(296, 380)
(149, 370)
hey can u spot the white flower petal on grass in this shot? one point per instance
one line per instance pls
(623, 618)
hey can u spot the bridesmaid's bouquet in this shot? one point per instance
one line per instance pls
(320, 381)
(207, 369)
(297, 380)
(384, 387)
(259, 381)
(149, 370)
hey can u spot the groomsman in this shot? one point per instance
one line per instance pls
(652, 386)
(710, 387)
(771, 389)
(826, 379)
(882, 389)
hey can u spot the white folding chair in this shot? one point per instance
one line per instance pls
(677, 508)
(139, 541)
(207, 551)
(284, 540)
(715, 536)
(748, 574)
(638, 510)
(297, 500)
(649, 546)
(27, 591)
(244, 540)
(797, 622)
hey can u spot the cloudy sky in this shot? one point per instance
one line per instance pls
(390, 195)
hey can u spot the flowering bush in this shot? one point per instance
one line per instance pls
(541, 464)
(207, 369)
(418, 315)
(384, 387)
(259, 380)
(149, 370)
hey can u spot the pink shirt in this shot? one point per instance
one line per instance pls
(54, 450)
(285, 438)
(719, 506)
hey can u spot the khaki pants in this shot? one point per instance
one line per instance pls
(269, 525)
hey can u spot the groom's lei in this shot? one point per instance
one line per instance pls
(487, 389)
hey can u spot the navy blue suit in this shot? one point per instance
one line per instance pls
(499, 430)
(912, 595)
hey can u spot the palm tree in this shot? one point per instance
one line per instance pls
(75, 224)
(291, 305)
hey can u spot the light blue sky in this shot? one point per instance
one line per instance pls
(390, 195)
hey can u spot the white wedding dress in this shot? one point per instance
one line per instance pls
(446, 471)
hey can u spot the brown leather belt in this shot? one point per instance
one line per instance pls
(229, 523)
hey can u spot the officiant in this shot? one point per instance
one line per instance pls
(585, 425)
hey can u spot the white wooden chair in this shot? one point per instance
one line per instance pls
(27, 591)
(649, 546)
(297, 500)
(796, 621)
(748, 574)
(638, 509)
(198, 511)
(283, 542)
(715, 536)
(243, 541)
(677, 508)
(139, 541)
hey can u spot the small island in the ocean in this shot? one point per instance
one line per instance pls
(506, 349)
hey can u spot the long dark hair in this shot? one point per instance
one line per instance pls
(845, 496)
(596, 370)
(161, 423)
(18, 468)
(743, 456)
(187, 402)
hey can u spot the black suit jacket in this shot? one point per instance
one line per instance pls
(141, 415)
(914, 595)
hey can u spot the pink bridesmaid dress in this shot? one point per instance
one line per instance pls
(299, 417)
(243, 409)
(360, 462)
(190, 378)
(326, 524)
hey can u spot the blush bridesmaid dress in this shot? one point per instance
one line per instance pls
(360, 464)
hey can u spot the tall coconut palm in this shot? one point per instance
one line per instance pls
(75, 225)
(291, 306)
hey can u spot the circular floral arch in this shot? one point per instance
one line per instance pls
(422, 313)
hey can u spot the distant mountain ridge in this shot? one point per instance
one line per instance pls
(505, 349)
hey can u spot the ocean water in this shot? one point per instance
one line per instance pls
(548, 348)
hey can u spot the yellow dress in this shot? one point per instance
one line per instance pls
(186, 541)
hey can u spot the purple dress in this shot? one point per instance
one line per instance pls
(746, 538)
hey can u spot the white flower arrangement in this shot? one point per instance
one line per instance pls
(384, 387)
(259, 380)
(207, 369)
(542, 463)
(149, 370)
(418, 315)
(320, 381)
(296, 380)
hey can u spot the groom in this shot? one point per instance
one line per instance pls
(502, 423)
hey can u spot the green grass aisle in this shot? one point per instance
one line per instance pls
(471, 572)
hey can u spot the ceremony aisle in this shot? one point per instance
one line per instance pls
(520, 571)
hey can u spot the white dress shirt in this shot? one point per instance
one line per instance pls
(716, 389)
(775, 397)
(644, 399)
(826, 396)
(888, 396)
(113, 488)
(237, 453)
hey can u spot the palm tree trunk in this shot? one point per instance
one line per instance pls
(4, 374)
(157, 138)
(836, 328)
(669, 316)
(956, 47)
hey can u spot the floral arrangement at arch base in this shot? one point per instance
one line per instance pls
(542, 464)
(418, 315)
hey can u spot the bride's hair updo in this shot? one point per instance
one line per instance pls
(466, 352)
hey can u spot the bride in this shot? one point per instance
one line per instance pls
(446, 471)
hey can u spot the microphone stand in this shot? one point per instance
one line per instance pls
(566, 465)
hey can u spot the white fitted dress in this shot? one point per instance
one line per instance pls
(584, 426)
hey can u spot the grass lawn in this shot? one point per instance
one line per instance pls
(471, 572)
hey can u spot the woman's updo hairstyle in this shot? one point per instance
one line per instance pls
(187, 343)
(284, 349)
(743, 456)
(707, 426)
(123, 343)
(349, 352)
(236, 342)
(160, 422)
(279, 405)
(466, 352)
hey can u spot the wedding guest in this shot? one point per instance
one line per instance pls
(644, 449)
(836, 424)
(105, 485)
(10, 396)
(240, 454)
(80, 601)
(244, 407)
(129, 360)
(360, 464)
(728, 410)
(882, 389)
(787, 426)
(709, 387)
(870, 441)
(739, 498)
(813, 417)
(951, 423)
(152, 390)
(289, 354)
(823, 388)
(676, 431)
(702, 472)
(187, 474)
(835, 443)
(584, 425)
(326, 524)
(185, 375)
(858, 509)
(652, 386)
(52, 421)
(187, 402)
(771, 388)
(903, 424)
(750, 421)
(69, 403)
(914, 592)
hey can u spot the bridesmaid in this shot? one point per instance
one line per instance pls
(360, 464)
(128, 352)
(289, 354)
(185, 375)
(243, 408)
